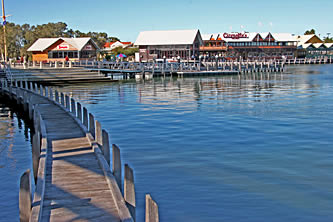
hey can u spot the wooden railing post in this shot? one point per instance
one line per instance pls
(129, 190)
(41, 90)
(35, 152)
(151, 210)
(92, 125)
(116, 164)
(25, 197)
(62, 99)
(73, 108)
(56, 93)
(46, 91)
(106, 146)
(67, 105)
(51, 94)
(85, 117)
(79, 111)
(98, 133)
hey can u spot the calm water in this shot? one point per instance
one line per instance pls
(255, 148)
(15, 158)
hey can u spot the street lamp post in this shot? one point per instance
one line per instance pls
(4, 29)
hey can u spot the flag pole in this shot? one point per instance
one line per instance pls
(4, 29)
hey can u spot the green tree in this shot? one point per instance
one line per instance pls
(21, 37)
(328, 40)
(310, 32)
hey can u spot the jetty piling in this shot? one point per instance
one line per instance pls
(25, 197)
(116, 164)
(79, 111)
(129, 190)
(85, 117)
(151, 210)
(92, 125)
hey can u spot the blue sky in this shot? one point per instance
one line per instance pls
(126, 18)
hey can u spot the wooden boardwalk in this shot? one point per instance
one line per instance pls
(74, 180)
(75, 187)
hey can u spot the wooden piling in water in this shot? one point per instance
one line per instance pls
(79, 111)
(92, 125)
(106, 146)
(35, 152)
(46, 91)
(129, 190)
(73, 108)
(67, 105)
(116, 164)
(151, 210)
(56, 96)
(25, 197)
(51, 94)
(62, 99)
(85, 117)
(98, 133)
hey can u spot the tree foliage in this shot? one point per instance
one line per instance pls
(328, 40)
(21, 37)
(126, 51)
(310, 32)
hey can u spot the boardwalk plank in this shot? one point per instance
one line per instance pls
(75, 186)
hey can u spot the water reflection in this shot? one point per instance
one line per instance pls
(224, 148)
(15, 158)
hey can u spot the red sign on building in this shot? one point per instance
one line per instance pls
(63, 46)
(235, 35)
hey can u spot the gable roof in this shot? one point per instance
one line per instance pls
(317, 45)
(42, 44)
(328, 45)
(304, 39)
(284, 37)
(306, 45)
(172, 37)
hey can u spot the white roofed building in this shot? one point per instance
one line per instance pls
(169, 44)
(53, 49)
(249, 45)
(312, 46)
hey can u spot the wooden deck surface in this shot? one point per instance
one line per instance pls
(75, 188)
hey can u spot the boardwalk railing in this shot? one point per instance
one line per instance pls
(22, 91)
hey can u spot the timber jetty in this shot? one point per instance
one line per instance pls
(58, 76)
(53, 73)
(71, 162)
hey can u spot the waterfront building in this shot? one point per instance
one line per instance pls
(168, 44)
(250, 45)
(57, 49)
(312, 46)
(213, 45)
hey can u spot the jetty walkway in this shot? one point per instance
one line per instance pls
(71, 162)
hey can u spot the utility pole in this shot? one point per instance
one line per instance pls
(4, 29)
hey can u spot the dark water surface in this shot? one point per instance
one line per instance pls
(249, 148)
(15, 158)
